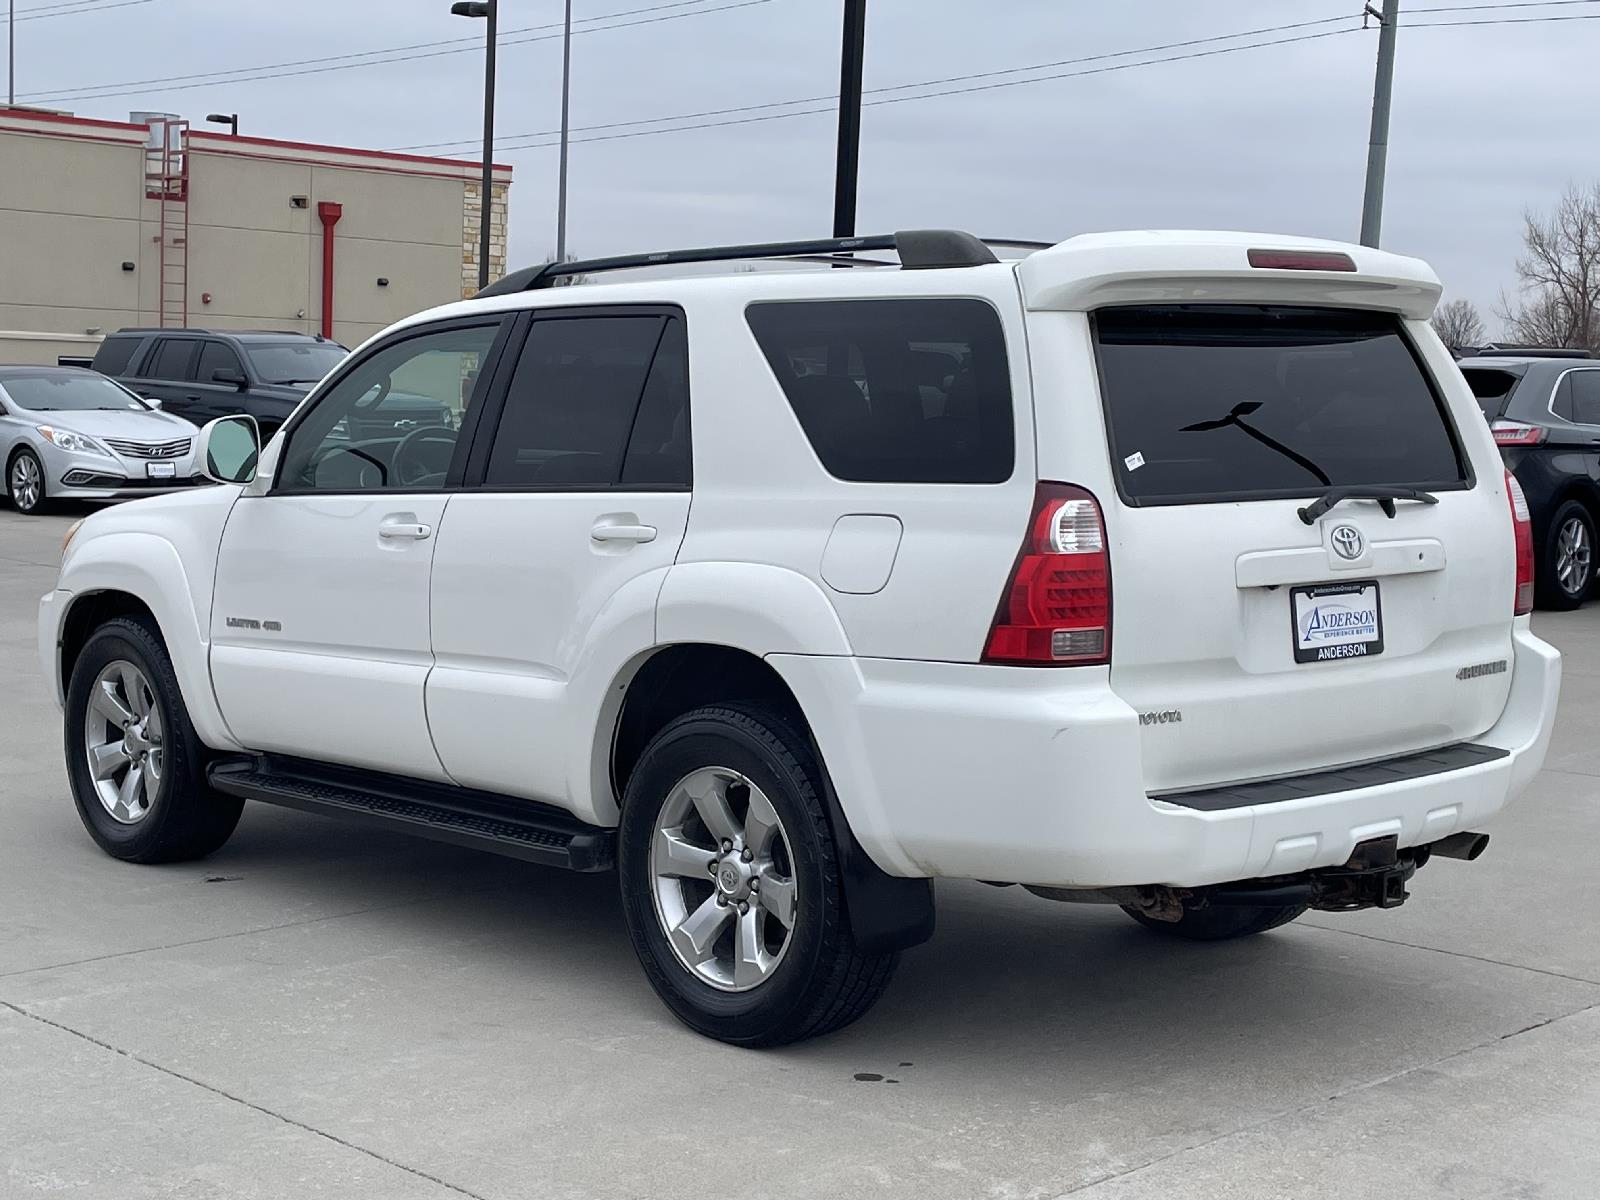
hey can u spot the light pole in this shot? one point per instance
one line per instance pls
(231, 120)
(852, 51)
(11, 55)
(1378, 143)
(566, 93)
(486, 9)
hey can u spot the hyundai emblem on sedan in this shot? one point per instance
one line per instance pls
(1346, 541)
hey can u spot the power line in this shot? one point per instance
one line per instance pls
(901, 87)
(44, 12)
(948, 92)
(342, 62)
(1507, 21)
(1491, 7)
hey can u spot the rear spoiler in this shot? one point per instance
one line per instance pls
(1178, 267)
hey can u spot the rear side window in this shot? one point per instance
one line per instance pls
(571, 407)
(1585, 397)
(114, 355)
(1219, 402)
(895, 391)
(214, 357)
(170, 360)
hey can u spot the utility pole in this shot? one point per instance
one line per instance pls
(1378, 145)
(850, 60)
(11, 55)
(566, 95)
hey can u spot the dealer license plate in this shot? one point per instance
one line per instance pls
(160, 470)
(1336, 620)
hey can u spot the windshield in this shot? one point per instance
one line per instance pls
(69, 393)
(1209, 402)
(294, 362)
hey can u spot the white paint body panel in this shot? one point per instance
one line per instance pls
(532, 617)
(342, 680)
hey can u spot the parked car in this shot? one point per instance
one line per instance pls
(201, 374)
(71, 434)
(1175, 571)
(1544, 411)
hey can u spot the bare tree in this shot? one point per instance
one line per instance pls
(1458, 325)
(1559, 272)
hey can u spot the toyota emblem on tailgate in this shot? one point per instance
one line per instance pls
(1346, 541)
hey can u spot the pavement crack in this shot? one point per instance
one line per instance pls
(1496, 962)
(1334, 1098)
(254, 1107)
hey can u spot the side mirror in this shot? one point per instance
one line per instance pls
(229, 375)
(152, 401)
(228, 449)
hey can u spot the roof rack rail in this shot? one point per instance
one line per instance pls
(1505, 350)
(919, 250)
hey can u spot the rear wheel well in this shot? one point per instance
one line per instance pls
(1584, 495)
(90, 612)
(679, 679)
(885, 913)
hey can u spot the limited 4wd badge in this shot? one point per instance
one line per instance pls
(1336, 620)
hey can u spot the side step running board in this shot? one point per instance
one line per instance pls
(522, 829)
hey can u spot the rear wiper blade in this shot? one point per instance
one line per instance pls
(1385, 496)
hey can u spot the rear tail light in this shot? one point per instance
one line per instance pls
(1302, 260)
(1057, 604)
(1515, 433)
(1522, 525)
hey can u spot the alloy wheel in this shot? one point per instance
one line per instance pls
(122, 735)
(723, 879)
(1574, 556)
(26, 484)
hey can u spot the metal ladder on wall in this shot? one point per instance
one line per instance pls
(166, 181)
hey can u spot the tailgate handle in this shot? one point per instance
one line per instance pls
(1385, 496)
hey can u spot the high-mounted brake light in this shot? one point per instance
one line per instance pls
(1522, 526)
(1302, 260)
(1515, 433)
(1056, 609)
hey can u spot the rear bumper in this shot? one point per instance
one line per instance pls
(947, 770)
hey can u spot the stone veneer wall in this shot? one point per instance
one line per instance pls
(471, 209)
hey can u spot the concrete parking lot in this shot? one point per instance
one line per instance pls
(322, 1011)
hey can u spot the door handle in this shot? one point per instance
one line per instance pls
(605, 532)
(404, 531)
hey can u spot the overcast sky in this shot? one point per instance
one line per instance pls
(1488, 119)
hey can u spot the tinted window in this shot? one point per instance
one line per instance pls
(72, 392)
(389, 423)
(170, 360)
(658, 450)
(571, 403)
(895, 391)
(216, 356)
(1585, 397)
(1561, 402)
(114, 355)
(1206, 402)
(294, 362)
(1492, 388)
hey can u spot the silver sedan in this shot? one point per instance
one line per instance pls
(68, 433)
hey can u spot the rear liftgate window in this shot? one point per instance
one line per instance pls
(1224, 402)
(895, 391)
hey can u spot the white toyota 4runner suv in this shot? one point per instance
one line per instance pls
(1175, 571)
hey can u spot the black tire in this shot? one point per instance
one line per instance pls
(42, 502)
(186, 819)
(822, 982)
(1550, 590)
(1219, 924)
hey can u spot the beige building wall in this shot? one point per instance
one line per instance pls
(74, 209)
(69, 219)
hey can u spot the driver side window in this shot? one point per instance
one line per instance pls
(391, 422)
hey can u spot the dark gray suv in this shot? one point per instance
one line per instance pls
(1544, 410)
